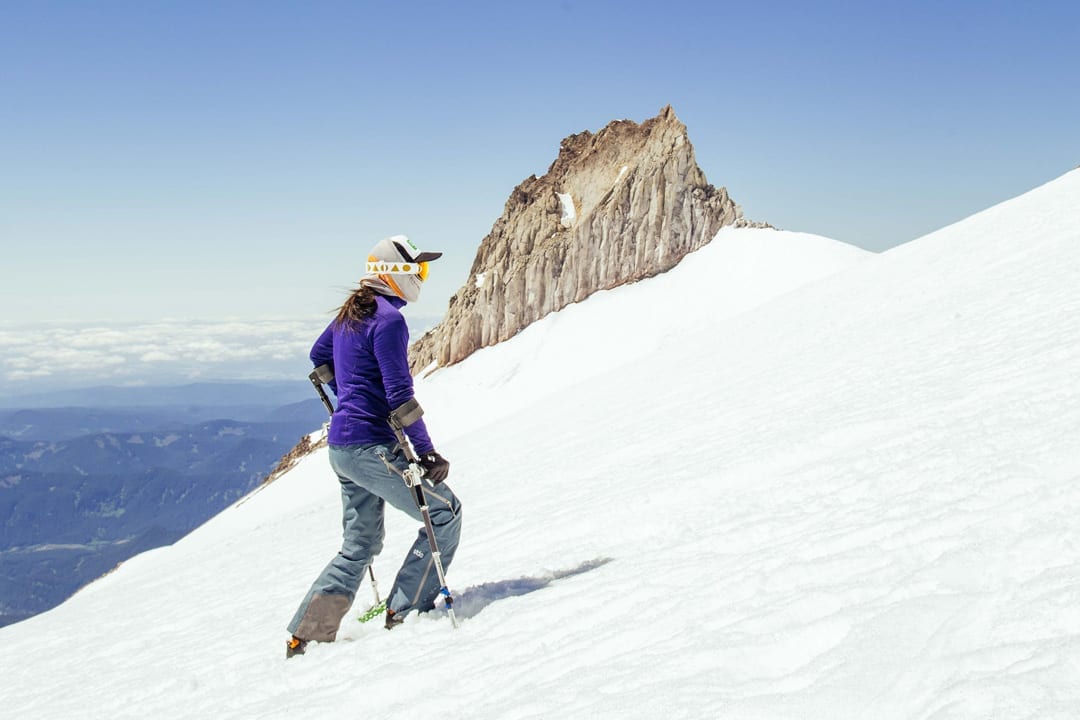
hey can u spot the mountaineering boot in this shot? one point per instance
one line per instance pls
(294, 646)
(393, 619)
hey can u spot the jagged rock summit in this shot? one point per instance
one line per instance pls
(624, 204)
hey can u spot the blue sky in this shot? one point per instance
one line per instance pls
(211, 160)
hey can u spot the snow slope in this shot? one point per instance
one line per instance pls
(857, 499)
(740, 269)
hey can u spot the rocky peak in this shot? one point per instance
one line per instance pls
(617, 206)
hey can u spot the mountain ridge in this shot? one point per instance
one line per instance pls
(625, 203)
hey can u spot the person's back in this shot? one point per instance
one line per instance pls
(371, 370)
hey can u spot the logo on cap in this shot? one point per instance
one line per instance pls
(382, 267)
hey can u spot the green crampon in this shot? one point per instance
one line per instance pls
(374, 612)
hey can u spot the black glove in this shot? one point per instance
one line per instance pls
(436, 467)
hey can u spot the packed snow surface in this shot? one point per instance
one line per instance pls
(844, 486)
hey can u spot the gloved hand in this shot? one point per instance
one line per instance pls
(436, 467)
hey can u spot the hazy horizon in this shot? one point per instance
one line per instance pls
(57, 356)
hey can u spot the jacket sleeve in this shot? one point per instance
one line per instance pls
(322, 353)
(391, 342)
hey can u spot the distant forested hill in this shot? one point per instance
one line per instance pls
(82, 489)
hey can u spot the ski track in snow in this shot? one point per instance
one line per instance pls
(852, 494)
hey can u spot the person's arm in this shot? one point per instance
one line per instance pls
(391, 340)
(322, 353)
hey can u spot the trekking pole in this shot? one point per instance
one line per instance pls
(321, 375)
(400, 419)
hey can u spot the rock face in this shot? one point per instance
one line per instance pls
(615, 207)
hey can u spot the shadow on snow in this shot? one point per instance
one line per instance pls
(470, 601)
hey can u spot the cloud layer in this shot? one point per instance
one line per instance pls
(53, 356)
(40, 357)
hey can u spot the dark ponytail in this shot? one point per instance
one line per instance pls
(358, 307)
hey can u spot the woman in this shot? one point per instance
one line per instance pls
(367, 348)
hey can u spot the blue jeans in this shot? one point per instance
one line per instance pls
(370, 477)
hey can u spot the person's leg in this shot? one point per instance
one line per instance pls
(417, 584)
(332, 593)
